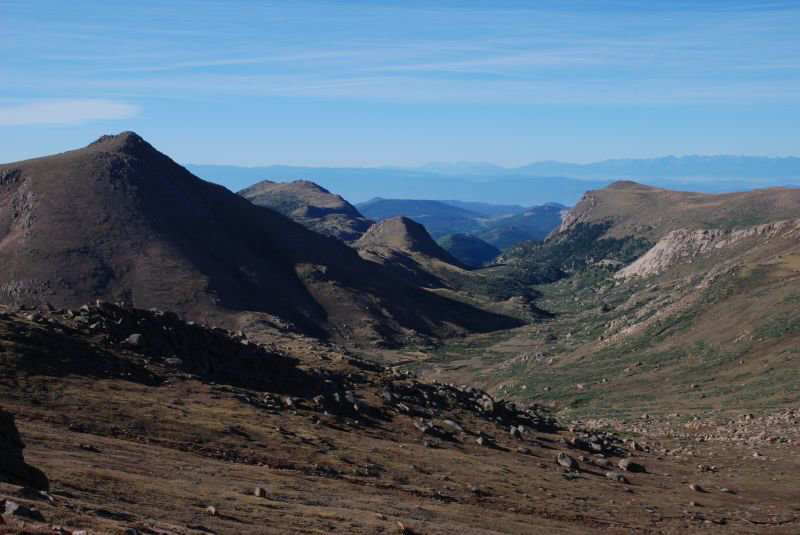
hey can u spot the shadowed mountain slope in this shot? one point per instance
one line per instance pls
(312, 206)
(121, 221)
(469, 249)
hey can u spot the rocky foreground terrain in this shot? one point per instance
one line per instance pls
(146, 424)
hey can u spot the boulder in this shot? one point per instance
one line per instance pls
(614, 476)
(13, 468)
(629, 465)
(16, 509)
(566, 461)
(135, 340)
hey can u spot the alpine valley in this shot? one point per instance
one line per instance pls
(177, 358)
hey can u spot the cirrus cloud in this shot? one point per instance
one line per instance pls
(65, 112)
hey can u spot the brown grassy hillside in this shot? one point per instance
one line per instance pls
(651, 212)
(311, 205)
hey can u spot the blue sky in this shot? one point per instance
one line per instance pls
(368, 83)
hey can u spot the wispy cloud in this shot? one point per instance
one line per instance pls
(590, 52)
(65, 112)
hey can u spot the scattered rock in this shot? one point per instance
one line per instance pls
(629, 465)
(696, 488)
(566, 461)
(135, 340)
(212, 510)
(454, 425)
(260, 492)
(15, 509)
(603, 463)
(615, 476)
(634, 446)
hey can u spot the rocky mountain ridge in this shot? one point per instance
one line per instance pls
(644, 211)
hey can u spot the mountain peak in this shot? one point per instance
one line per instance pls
(126, 142)
(404, 234)
(404, 226)
(121, 138)
(311, 205)
(627, 184)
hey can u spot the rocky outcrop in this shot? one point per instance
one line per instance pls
(13, 468)
(578, 214)
(161, 337)
(683, 245)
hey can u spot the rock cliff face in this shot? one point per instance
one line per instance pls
(13, 468)
(683, 245)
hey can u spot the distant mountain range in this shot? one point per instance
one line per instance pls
(362, 184)
(723, 167)
(532, 184)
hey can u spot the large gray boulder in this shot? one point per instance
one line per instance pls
(13, 468)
